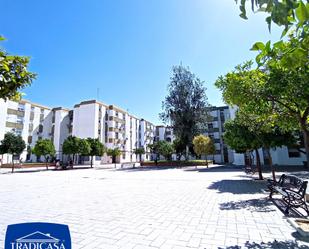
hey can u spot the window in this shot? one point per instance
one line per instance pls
(110, 140)
(124, 155)
(110, 129)
(29, 139)
(40, 128)
(116, 135)
(293, 152)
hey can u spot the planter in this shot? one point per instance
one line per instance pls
(301, 225)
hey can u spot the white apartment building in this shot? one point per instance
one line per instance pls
(215, 130)
(280, 155)
(115, 128)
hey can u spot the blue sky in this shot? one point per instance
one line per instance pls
(126, 48)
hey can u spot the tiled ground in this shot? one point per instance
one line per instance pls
(167, 208)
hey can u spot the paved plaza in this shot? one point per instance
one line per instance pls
(148, 208)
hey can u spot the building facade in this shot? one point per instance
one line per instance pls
(113, 126)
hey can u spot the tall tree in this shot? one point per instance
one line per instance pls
(45, 148)
(203, 145)
(14, 75)
(185, 107)
(12, 144)
(96, 148)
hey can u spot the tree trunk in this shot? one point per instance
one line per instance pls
(306, 142)
(271, 165)
(206, 161)
(46, 163)
(258, 164)
(91, 161)
(13, 164)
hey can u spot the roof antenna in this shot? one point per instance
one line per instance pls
(98, 93)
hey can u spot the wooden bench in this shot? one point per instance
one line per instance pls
(292, 189)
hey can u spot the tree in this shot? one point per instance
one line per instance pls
(12, 144)
(203, 145)
(185, 107)
(165, 149)
(139, 151)
(248, 132)
(114, 153)
(242, 140)
(96, 148)
(71, 146)
(84, 147)
(275, 94)
(45, 148)
(179, 147)
(14, 75)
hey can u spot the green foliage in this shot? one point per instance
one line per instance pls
(185, 107)
(179, 147)
(71, 146)
(84, 147)
(96, 147)
(14, 75)
(203, 145)
(286, 13)
(12, 144)
(44, 147)
(114, 153)
(165, 149)
(140, 151)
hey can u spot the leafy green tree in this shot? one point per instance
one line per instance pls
(45, 148)
(278, 96)
(84, 147)
(203, 145)
(12, 144)
(96, 148)
(165, 149)
(239, 137)
(71, 146)
(140, 151)
(185, 107)
(114, 153)
(14, 75)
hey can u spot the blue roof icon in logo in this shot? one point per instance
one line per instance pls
(37, 237)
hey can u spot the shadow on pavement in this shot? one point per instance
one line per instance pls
(288, 244)
(241, 186)
(256, 205)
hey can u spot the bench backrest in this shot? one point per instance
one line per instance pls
(293, 182)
